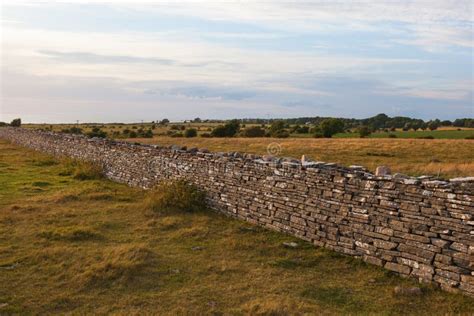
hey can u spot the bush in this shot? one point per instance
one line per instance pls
(86, 171)
(97, 132)
(331, 126)
(228, 130)
(72, 130)
(16, 122)
(364, 131)
(177, 134)
(3, 124)
(254, 131)
(176, 196)
(281, 134)
(392, 136)
(302, 130)
(81, 170)
(277, 128)
(190, 132)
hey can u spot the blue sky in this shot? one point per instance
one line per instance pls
(64, 61)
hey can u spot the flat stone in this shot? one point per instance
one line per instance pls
(382, 171)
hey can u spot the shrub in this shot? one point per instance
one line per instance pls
(470, 137)
(281, 134)
(176, 196)
(177, 134)
(364, 131)
(190, 132)
(277, 128)
(331, 126)
(302, 130)
(3, 124)
(228, 130)
(16, 122)
(392, 136)
(254, 131)
(72, 130)
(219, 131)
(97, 132)
(86, 171)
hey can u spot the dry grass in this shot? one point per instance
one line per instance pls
(88, 247)
(449, 158)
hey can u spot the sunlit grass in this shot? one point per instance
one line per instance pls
(448, 158)
(90, 247)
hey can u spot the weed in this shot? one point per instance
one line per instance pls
(87, 171)
(175, 196)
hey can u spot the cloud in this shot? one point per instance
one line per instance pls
(85, 57)
(237, 59)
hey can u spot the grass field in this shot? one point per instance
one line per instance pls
(449, 158)
(90, 247)
(160, 130)
(449, 155)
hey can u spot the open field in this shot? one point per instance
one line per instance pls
(449, 158)
(83, 247)
(161, 130)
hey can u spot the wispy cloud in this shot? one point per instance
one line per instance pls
(238, 59)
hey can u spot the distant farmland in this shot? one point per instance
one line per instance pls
(449, 158)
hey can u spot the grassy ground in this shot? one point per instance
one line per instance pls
(160, 130)
(449, 158)
(438, 134)
(83, 247)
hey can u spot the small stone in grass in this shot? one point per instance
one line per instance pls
(290, 244)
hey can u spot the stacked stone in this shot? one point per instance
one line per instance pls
(418, 227)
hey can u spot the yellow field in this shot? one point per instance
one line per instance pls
(449, 158)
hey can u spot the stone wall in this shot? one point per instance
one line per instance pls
(417, 227)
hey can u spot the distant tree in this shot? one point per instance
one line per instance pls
(364, 131)
(148, 134)
(302, 130)
(16, 122)
(197, 120)
(228, 130)
(3, 124)
(254, 131)
(190, 132)
(72, 130)
(446, 123)
(164, 121)
(97, 132)
(277, 129)
(433, 125)
(331, 126)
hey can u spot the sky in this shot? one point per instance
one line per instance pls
(119, 61)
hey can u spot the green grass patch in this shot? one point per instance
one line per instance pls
(90, 247)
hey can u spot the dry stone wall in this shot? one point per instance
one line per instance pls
(416, 227)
